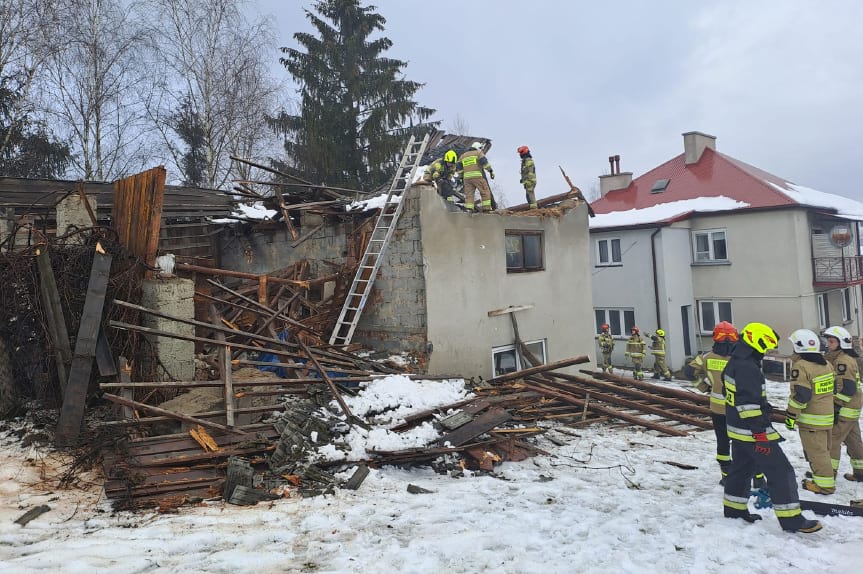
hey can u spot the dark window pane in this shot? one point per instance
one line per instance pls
(725, 311)
(603, 251)
(504, 362)
(514, 258)
(719, 251)
(538, 350)
(600, 319)
(615, 251)
(708, 320)
(628, 320)
(614, 321)
(532, 251)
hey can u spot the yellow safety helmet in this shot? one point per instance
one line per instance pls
(660, 332)
(450, 157)
(760, 337)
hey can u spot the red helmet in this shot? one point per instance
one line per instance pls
(725, 331)
(523, 150)
(635, 330)
(604, 326)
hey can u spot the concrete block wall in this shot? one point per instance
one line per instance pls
(176, 357)
(72, 214)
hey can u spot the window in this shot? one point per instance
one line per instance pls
(659, 186)
(823, 315)
(620, 321)
(523, 251)
(709, 246)
(608, 252)
(507, 359)
(712, 312)
(846, 305)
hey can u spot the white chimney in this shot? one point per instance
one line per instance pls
(694, 144)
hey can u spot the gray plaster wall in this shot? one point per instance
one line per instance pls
(72, 214)
(675, 291)
(464, 261)
(176, 357)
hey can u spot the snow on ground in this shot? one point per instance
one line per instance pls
(606, 501)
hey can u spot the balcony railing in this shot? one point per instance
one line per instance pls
(846, 270)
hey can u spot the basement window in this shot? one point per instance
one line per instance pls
(659, 186)
(507, 359)
(523, 251)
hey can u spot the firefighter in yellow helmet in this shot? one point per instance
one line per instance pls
(848, 401)
(635, 351)
(471, 165)
(754, 441)
(657, 349)
(810, 408)
(441, 172)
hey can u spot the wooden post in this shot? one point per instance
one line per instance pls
(58, 334)
(224, 366)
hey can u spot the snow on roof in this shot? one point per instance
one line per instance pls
(371, 203)
(664, 212)
(254, 211)
(812, 197)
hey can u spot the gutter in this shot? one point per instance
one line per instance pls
(655, 277)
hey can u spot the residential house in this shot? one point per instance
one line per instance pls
(705, 237)
(445, 273)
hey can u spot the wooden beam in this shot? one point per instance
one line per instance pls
(510, 309)
(56, 321)
(166, 413)
(541, 369)
(224, 367)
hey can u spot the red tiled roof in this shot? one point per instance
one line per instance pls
(714, 174)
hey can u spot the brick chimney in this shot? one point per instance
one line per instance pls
(694, 144)
(614, 180)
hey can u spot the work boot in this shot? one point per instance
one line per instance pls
(854, 476)
(744, 514)
(655, 376)
(812, 487)
(808, 474)
(808, 527)
(667, 377)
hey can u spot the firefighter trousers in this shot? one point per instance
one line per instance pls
(750, 458)
(659, 367)
(529, 193)
(816, 449)
(723, 443)
(477, 184)
(847, 431)
(606, 361)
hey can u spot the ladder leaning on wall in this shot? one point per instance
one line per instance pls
(373, 257)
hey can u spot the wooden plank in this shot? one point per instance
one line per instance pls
(104, 357)
(72, 412)
(171, 414)
(480, 425)
(510, 309)
(54, 316)
(224, 367)
(308, 234)
(541, 369)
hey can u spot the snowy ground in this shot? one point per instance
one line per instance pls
(605, 502)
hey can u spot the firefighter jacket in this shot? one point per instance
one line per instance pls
(747, 411)
(528, 171)
(606, 342)
(471, 163)
(635, 346)
(439, 169)
(812, 384)
(848, 397)
(710, 366)
(657, 347)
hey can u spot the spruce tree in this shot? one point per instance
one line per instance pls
(27, 148)
(186, 122)
(357, 109)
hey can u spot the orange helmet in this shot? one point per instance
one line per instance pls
(635, 330)
(523, 150)
(725, 331)
(604, 326)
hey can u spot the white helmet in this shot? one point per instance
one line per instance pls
(840, 333)
(476, 145)
(805, 341)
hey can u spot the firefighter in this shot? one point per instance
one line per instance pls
(708, 372)
(635, 351)
(754, 441)
(848, 401)
(657, 349)
(606, 346)
(528, 175)
(440, 173)
(810, 408)
(471, 165)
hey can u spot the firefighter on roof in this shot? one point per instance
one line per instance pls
(754, 442)
(606, 346)
(810, 408)
(471, 165)
(440, 173)
(635, 351)
(848, 401)
(657, 349)
(528, 175)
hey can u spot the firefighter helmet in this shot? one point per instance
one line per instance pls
(760, 337)
(725, 331)
(805, 341)
(635, 330)
(660, 333)
(604, 326)
(450, 156)
(840, 333)
(476, 145)
(523, 150)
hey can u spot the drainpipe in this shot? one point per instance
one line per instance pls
(655, 276)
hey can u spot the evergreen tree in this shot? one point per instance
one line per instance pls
(356, 108)
(27, 149)
(193, 162)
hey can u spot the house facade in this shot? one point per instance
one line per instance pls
(451, 282)
(705, 237)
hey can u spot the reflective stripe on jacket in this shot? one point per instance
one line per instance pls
(471, 163)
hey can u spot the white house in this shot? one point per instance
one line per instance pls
(705, 237)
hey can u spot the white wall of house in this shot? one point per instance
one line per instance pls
(466, 277)
(675, 291)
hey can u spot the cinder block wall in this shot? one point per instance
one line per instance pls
(176, 357)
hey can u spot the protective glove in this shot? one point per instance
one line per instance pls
(760, 436)
(790, 423)
(491, 174)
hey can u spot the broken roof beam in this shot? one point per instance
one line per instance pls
(540, 369)
(170, 414)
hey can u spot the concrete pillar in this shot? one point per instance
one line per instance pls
(177, 357)
(6, 215)
(72, 213)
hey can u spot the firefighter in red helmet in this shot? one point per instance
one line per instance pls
(528, 175)
(635, 351)
(606, 346)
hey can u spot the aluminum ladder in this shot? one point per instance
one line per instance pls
(375, 250)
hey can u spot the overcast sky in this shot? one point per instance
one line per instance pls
(778, 83)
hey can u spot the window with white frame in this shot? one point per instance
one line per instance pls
(508, 359)
(709, 246)
(823, 315)
(608, 252)
(620, 321)
(711, 312)
(846, 305)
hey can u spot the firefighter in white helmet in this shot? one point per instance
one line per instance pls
(848, 401)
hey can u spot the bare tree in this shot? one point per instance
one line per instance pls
(92, 89)
(458, 126)
(214, 63)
